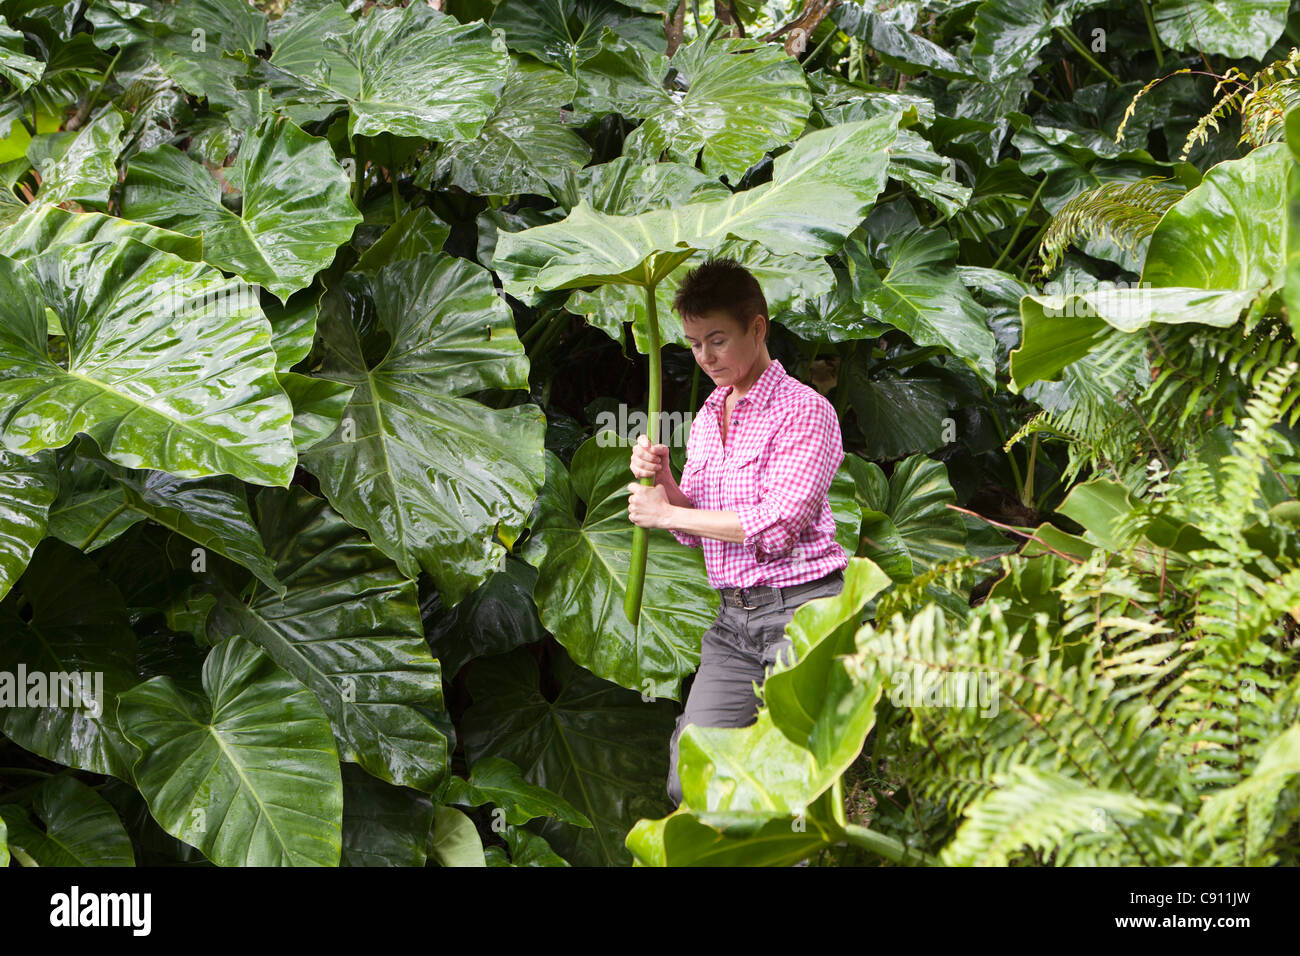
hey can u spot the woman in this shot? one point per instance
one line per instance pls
(759, 461)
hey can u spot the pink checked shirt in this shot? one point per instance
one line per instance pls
(782, 450)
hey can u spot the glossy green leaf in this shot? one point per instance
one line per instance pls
(248, 772)
(318, 407)
(348, 628)
(1233, 28)
(1010, 34)
(426, 471)
(924, 297)
(194, 399)
(42, 227)
(600, 747)
(754, 768)
(91, 509)
(211, 512)
(568, 32)
(1226, 233)
(898, 413)
(744, 97)
(819, 193)
(410, 72)
(582, 564)
(383, 825)
(28, 487)
(498, 781)
(85, 167)
(729, 838)
(817, 703)
(293, 326)
(417, 231)
(523, 146)
(498, 617)
(1059, 330)
(295, 211)
(906, 528)
(78, 652)
(73, 827)
(19, 69)
(525, 849)
(455, 840)
(889, 35)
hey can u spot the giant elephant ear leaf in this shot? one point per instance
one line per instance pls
(819, 193)
(410, 72)
(295, 210)
(1210, 255)
(73, 826)
(76, 633)
(1226, 233)
(523, 146)
(347, 627)
(1010, 34)
(744, 97)
(247, 772)
(80, 167)
(1233, 28)
(582, 571)
(922, 295)
(211, 512)
(40, 228)
(383, 825)
(28, 487)
(428, 472)
(906, 526)
(169, 364)
(17, 68)
(602, 748)
(568, 32)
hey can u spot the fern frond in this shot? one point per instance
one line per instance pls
(1229, 101)
(1276, 91)
(1236, 826)
(1132, 104)
(1127, 213)
(1035, 711)
(1039, 810)
(948, 575)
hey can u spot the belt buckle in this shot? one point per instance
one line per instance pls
(744, 596)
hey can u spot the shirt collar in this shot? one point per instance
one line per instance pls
(759, 394)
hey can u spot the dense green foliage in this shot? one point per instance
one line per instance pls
(325, 327)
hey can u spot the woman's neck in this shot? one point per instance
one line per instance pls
(741, 388)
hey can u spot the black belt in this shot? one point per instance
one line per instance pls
(758, 595)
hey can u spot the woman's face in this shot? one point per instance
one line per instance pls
(724, 349)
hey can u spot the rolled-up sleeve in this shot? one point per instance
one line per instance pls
(806, 452)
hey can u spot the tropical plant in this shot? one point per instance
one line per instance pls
(314, 319)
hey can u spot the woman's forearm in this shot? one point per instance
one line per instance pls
(673, 491)
(718, 525)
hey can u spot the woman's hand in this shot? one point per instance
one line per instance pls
(648, 506)
(650, 461)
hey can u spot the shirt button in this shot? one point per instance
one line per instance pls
(735, 421)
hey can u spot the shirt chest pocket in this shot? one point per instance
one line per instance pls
(741, 478)
(695, 474)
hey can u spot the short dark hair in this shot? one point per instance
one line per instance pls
(722, 285)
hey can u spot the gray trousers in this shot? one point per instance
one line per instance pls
(737, 651)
